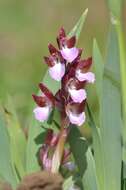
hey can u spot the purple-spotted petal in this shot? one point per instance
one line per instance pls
(78, 96)
(42, 113)
(77, 119)
(70, 54)
(89, 76)
(57, 71)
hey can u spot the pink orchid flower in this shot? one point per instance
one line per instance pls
(67, 46)
(45, 103)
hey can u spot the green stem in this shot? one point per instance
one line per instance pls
(58, 154)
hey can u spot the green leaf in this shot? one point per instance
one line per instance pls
(111, 118)
(98, 150)
(6, 170)
(78, 27)
(75, 140)
(122, 52)
(83, 158)
(107, 138)
(35, 129)
(68, 183)
(98, 69)
(115, 7)
(17, 139)
(90, 177)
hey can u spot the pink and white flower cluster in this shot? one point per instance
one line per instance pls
(65, 65)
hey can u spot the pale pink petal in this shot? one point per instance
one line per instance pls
(57, 71)
(42, 113)
(89, 76)
(78, 95)
(70, 54)
(77, 119)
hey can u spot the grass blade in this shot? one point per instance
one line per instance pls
(111, 119)
(6, 170)
(17, 139)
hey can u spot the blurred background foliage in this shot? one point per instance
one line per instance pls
(27, 26)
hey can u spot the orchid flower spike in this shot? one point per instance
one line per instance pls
(65, 65)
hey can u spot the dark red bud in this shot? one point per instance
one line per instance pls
(76, 108)
(58, 42)
(49, 136)
(80, 53)
(52, 49)
(48, 61)
(80, 107)
(71, 42)
(40, 101)
(84, 65)
(47, 93)
(62, 33)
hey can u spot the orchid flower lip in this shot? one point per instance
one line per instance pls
(78, 96)
(57, 71)
(42, 113)
(65, 65)
(77, 119)
(88, 76)
(69, 54)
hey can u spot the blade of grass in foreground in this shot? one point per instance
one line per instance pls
(6, 170)
(115, 7)
(97, 143)
(90, 177)
(83, 159)
(35, 129)
(17, 139)
(122, 52)
(111, 124)
(107, 138)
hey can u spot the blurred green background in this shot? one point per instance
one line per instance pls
(27, 26)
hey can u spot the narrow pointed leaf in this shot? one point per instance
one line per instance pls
(79, 154)
(98, 69)
(78, 27)
(17, 139)
(111, 118)
(115, 7)
(98, 152)
(6, 170)
(68, 183)
(90, 177)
